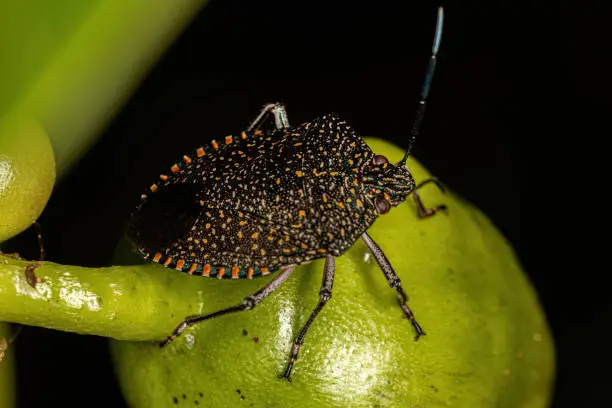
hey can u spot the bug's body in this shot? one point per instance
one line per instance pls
(266, 201)
(260, 201)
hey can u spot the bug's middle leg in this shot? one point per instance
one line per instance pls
(247, 304)
(394, 281)
(281, 120)
(325, 293)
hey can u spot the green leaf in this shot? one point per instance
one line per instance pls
(71, 64)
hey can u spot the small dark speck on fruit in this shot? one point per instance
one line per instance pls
(242, 397)
(433, 388)
(196, 402)
(256, 339)
(245, 332)
(175, 400)
(238, 392)
(184, 396)
(201, 395)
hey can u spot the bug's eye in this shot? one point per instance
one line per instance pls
(382, 204)
(379, 160)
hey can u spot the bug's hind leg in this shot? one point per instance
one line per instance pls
(324, 295)
(247, 304)
(422, 211)
(394, 281)
(277, 110)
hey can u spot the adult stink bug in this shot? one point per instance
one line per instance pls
(266, 201)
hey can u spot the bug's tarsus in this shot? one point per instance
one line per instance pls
(247, 304)
(394, 281)
(277, 110)
(190, 321)
(325, 293)
(422, 211)
(30, 274)
(403, 302)
(426, 84)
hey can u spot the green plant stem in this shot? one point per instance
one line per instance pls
(122, 302)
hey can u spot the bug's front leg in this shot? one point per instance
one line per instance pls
(325, 293)
(247, 304)
(281, 120)
(422, 211)
(394, 281)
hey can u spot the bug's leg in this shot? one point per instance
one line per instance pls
(422, 211)
(324, 295)
(434, 180)
(30, 276)
(394, 281)
(247, 304)
(281, 120)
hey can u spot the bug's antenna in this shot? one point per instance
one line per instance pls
(426, 85)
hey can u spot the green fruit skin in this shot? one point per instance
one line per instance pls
(487, 343)
(27, 172)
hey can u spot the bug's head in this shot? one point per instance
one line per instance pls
(387, 185)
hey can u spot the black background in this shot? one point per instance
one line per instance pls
(500, 129)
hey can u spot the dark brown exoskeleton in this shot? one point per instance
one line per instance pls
(266, 201)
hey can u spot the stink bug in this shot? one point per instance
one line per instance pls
(266, 201)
